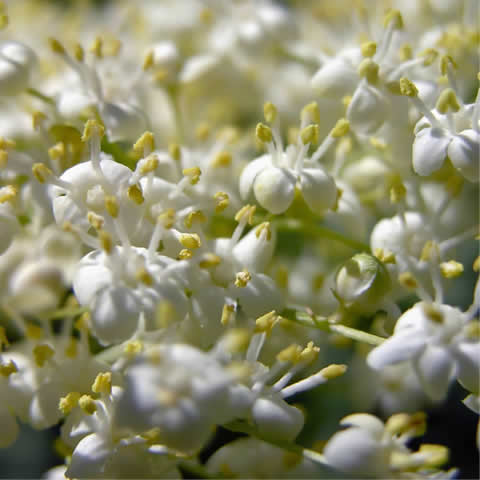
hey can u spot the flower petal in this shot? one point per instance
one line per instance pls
(464, 152)
(318, 189)
(430, 150)
(274, 189)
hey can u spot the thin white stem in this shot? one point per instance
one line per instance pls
(303, 385)
(255, 346)
(323, 148)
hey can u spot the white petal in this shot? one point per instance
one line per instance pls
(89, 458)
(197, 66)
(250, 172)
(123, 121)
(367, 111)
(434, 369)
(365, 421)
(274, 189)
(400, 347)
(318, 189)
(276, 419)
(115, 313)
(464, 152)
(430, 150)
(335, 78)
(467, 355)
(356, 452)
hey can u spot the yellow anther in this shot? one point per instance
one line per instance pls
(434, 455)
(229, 135)
(407, 280)
(96, 221)
(309, 353)
(310, 113)
(42, 353)
(309, 134)
(408, 88)
(87, 404)
(56, 46)
(333, 371)
(265, 230)
(3, 338)
(83, 322)
(34, 332)
(378, 144)
(472, 330)
(236, 340)
(281, 277)
(451, 269)
(57, 152)
(145, 144)
(6, 369)
(385, 256)
(228, 313)
(406, 52)
(7, 144)
(206, 16)
(135, 194)
(447, 101)
(341, 128)
(8, 193)
(266, 322)
(175, 151)
(429, 251)
(290, 354)
(92, 128)
(368, 49)
(221, 159)
(242, 278)
(269, 112)
(263, 133)
(133, 348)
(78, 52)
(246, 213)
(71, 349)
(97, 47)
(346, 100)
(106, 241)
(41, 172)
(476, 264)
(148, 60)
(400, 423)
(69, 402)
(149, 165)
(397, 192)
(445, 61)
(202, 132)
(193, 173)
(433, 313)
(222, 201)
(210, 260)
(167, 218)
(111, 205)
(394, 17)
(142, 275)
(38, 118)
(369, 69)
(190, 240)
(430, 55)
(161, 75)
(4, 21)
(103, 383)
(197, 216)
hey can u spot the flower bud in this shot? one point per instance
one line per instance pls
(362, 282)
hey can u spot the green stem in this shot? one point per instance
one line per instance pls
(35, 93)
(323, 323)
(319, 231)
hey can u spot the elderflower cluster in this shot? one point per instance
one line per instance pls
(225, 222)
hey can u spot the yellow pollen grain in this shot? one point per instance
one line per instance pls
(8, 193)
(222, 201)
(263, 133)
(87, 404)
(42, 353)
(190, 240)
(228, 312)
(290, 354)
(111, 205)
(150, 164)
(269, 112)
(135, 194)
(310, 113)
(266, 322)
(341, 128)
(103, 383)
(242, 278)
(407, 280)
(34, 332)
(368, 49)
(265, 230)
(221, 159)
(69, 402)
(8, 368)
(145, 143)
(41, 172)
(193, 174)
(333, 371)
(451, 269)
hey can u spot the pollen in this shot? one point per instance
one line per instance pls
(69, 402)
(447, 101)
(149, 165)
(242, 278)
(266, 322)
(333, 371)
(145, 144)
(264, 231)
(269, 112)
(190, 240)
(369, 69)
(103, 383)
(407, 280)
(309, 134)
(175, 151)
(41, 172)
(451, 269)
(167, 218)
(290, 354)
(193, 174)
(310, 113)
(33, 332)
(42, 353)
(246, 213)
(263, 133)
(202, 132)
(228, 314)
(56, 46)
(222, 159)
(408, 88)
(8, 193)
(71, 349)
(341, 128)
(135, 194)
(111, 205)
(87, 404)
(368, 49)
(96, 221)
(210, 260)
(197, 216)
(142, 275)
(92, 128)
(184, 254)
(106, 241)
(6, 369)
(222, 201)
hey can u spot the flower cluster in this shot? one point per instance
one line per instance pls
(176, 262)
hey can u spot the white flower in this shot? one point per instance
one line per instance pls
(121, 286)
(435, 339)
(16, 64)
